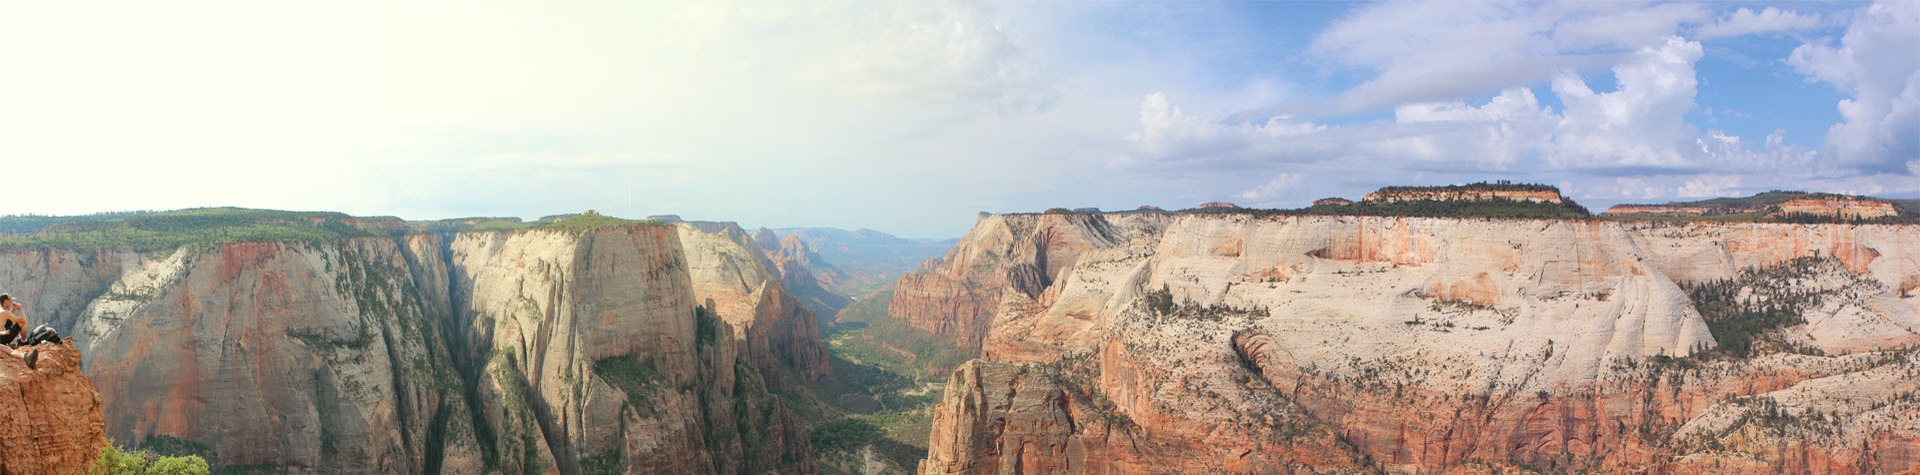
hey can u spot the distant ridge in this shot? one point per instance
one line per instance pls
(1778, 206)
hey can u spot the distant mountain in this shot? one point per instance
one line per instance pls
(1777, 205)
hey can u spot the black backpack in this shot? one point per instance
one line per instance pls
(43, 334)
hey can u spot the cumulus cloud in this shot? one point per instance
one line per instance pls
(951, 50)
(1875, 63)
(1272, 190)
(1641, 124)
(1746, 22)
(1445, 50)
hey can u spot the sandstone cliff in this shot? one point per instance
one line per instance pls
(1002, 256)
(1844, 208)
(519, 351)
(51, 422)
(1241, 343)
(803, 273)
(781, 335)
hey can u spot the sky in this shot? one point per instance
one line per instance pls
(910, 117)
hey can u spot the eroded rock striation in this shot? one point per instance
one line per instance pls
(1005, 258)
(51, 422)
(1247, 343)
(576, 351)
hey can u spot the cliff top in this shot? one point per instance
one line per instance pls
(1502, 185)
(1777, 205)
(154, 230)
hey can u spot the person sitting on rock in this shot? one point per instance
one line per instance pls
(12, 328)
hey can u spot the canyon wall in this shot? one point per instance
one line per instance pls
(1002, 256)
(1241, 343)
(518, 351)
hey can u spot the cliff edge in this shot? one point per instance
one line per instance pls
(49, 416)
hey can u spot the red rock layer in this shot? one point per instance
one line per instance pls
(1023, 253)
(1840, 208)
(51, 419)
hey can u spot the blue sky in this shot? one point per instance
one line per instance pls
(909, 117)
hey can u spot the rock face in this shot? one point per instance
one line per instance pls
(521, 351)
(52, 419)
(780, 335)
(1670, 210)
(1237, 343)
(803, 273)
(1004, 258)
(1844, 208)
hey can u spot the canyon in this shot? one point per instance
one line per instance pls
(1217, 340)
(1145, 342)
(633, 348)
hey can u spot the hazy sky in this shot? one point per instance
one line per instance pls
(910, 116)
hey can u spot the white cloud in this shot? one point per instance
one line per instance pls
(1747, 22)
(947, 50)
(1426, 50)
(1269, 193)
(1642, 124)
(1876, 64)
(1709, 186)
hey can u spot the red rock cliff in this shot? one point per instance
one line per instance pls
(51, 422)
(1003, 255)
(1423, 345)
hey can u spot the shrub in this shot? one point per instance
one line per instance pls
(114, 461)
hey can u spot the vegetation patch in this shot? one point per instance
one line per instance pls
(635, 378)
(843, 436)
(150, 230)
(1161, 303)
(116, 461)
(604, 463)
(1742, 312)
(170, 446)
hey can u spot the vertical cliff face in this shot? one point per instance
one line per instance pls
(1005, 258)
(1227, 342)
(52, 419)
(539, 350)
(780, 335)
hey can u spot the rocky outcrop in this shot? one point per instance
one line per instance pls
(1004, 256)
(1845, 208)
(1432, 345)
(803, 273)
(1671, 210)
(52, 419)
(517, 351)
(780, 334)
